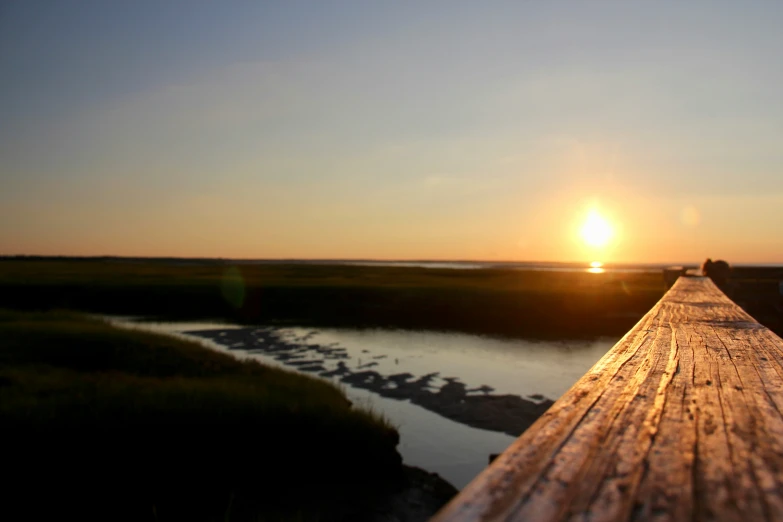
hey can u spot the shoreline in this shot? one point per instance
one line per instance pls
(194, 423)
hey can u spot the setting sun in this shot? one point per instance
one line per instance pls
(596, 230)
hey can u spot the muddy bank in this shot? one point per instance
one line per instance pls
(420, 497)
(477, 407)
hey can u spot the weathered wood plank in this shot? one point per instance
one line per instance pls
(681, 420)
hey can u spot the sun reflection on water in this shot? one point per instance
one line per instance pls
(596, 267)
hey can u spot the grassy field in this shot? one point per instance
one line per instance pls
(507, 302)
(103, 423)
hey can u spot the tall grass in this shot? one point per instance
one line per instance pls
(101, 422)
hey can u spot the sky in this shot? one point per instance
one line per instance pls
(392, 129)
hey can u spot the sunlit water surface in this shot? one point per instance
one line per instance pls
(457, 452)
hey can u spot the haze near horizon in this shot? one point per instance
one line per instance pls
(569, 131)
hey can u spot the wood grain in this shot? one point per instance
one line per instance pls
(680, 420)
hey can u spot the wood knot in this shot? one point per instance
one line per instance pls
(709, 382)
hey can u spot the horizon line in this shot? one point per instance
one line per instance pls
(361, 260)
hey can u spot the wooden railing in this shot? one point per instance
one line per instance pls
(680, 420)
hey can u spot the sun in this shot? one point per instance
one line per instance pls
(596, 230)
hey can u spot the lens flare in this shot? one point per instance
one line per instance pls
(232, 286)
(690, 216)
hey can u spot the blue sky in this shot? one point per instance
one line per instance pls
(442, 130)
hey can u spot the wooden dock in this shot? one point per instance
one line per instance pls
(680, 420)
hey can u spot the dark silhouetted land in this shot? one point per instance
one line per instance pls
(497, 301)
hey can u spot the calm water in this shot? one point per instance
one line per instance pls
(480, 265)
(472, 365)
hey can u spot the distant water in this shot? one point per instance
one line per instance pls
(479, 265)
(418, 380)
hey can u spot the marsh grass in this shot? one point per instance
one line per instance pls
(507, 302)
(102, 422)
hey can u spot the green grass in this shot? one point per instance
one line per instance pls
(100, 422)
(517, 303)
